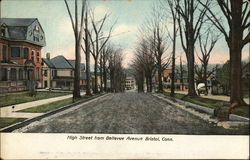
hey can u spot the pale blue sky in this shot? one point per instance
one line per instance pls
(55, 21)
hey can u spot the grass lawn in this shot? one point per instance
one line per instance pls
(211, 103)
(51, 106)
(7, 99)
(4, 122)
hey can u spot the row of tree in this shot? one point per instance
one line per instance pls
(90, 38)
(193, 21)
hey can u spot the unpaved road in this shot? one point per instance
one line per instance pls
(132, 113)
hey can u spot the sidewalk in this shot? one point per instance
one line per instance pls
(8, 112)
(216, 97)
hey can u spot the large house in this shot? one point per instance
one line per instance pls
(21, 42)
(129, 83)
(180, 81)
(58, 73)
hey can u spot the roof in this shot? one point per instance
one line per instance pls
(48, 62)
(61, 62)
(17, 21)
(23, 29)
(72, 63)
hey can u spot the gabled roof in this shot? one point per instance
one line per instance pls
(22, 29)
(48, 62)
(73, 62)
(17, 21)
(61, 62)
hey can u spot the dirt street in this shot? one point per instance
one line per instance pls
(132, 113)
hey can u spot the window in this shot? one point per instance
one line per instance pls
(45, 73)
(37, 28)
(3, 75)
(26, 53)
(20, 74)
(3, 32)
(13, 74)
(32, 56)
(37, 57)
(4, 48)
(15, 52)
(36, 38)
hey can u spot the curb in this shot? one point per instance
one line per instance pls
(195, 106)
(30, 120)
(232, 117)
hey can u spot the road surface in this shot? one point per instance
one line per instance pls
(127, 113)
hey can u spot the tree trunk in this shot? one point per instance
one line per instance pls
(96, 87)
(160, 86)
(105, 78)
(88, 76)
(76, 92)
(205, 78)
(235, 53)
(173, 58)
(150, 84)
(190, 60)
(101, 73)
(87, 55)
(147, 83)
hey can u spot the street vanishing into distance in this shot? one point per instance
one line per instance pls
(128, 113)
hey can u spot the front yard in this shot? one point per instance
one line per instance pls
(7, 99)
(53, 105)
(211, 103)
(4, 122)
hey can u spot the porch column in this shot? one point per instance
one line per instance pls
(17, 74)
(8, 74)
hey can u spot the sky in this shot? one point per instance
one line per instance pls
(128, 15)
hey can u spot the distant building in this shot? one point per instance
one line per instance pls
(21, 45)
(58, 73)
(129, 83)
(180, 82)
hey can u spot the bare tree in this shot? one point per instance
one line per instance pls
(95, 41)
(191, 17)
(138, 73)
(236, 13)
(78, 34)
(116, 70)
(86, 50)
(206, 43)
(146, 62)
(172, 7)
(181, 74)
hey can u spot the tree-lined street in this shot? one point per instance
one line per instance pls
(132, 113)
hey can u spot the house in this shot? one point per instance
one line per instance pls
(21, 43)
(58, 73)
(180, 81)
(129, 83)
(47, 67)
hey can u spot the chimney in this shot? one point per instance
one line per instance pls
(48, 55)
